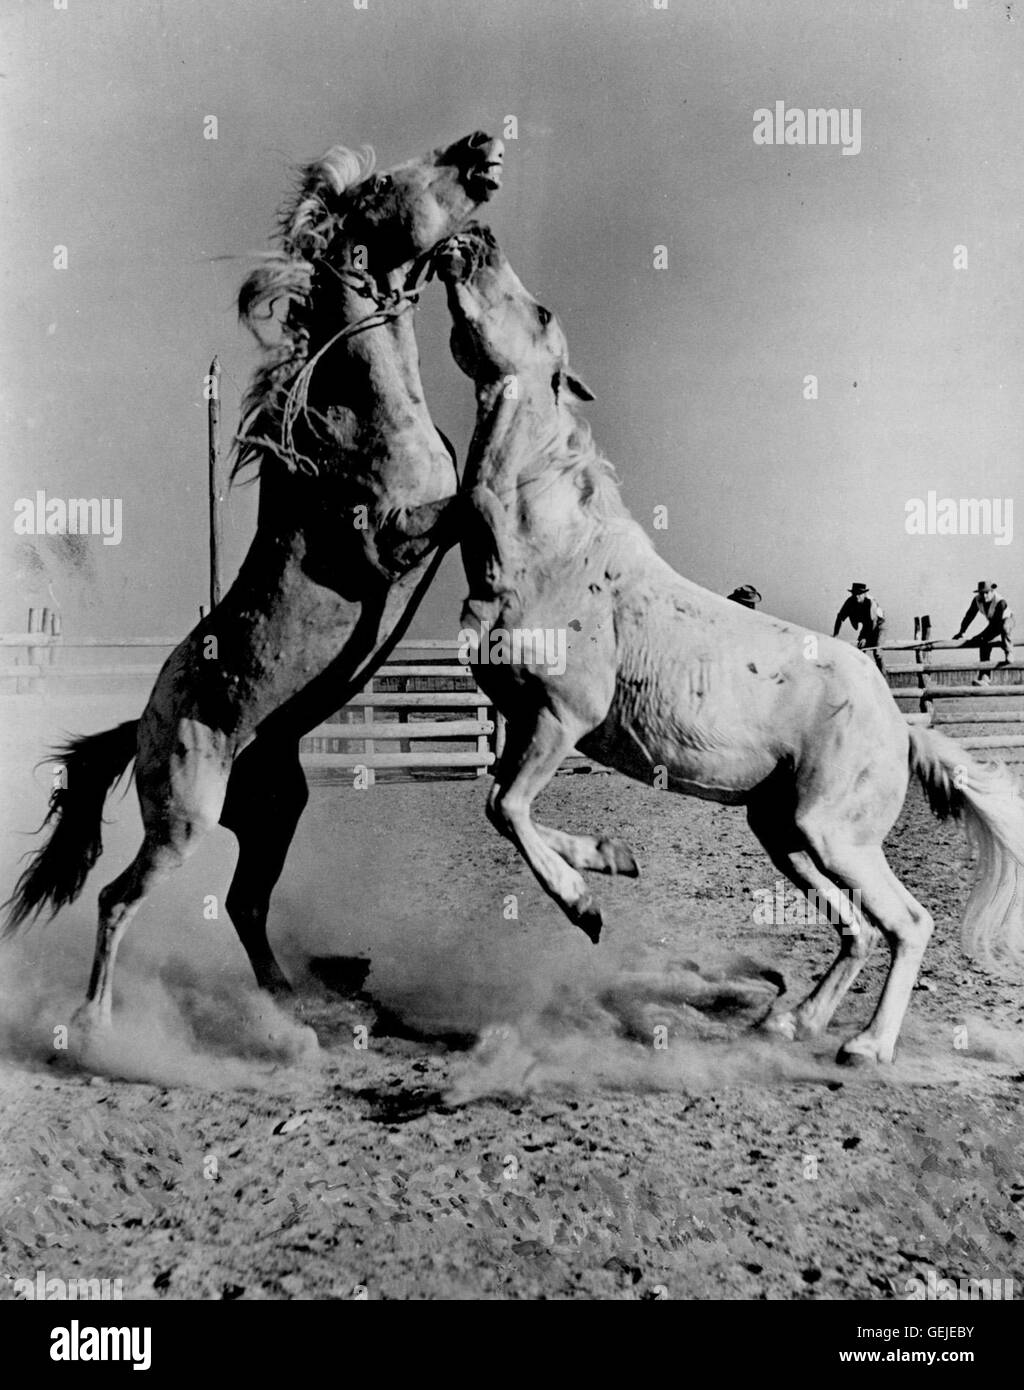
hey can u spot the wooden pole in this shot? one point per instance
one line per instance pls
(32, 686)
(922, 656)
(369, 745)
(213, 423)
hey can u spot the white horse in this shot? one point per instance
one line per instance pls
(677, 687)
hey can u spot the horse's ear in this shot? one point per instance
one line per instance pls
(579, 388)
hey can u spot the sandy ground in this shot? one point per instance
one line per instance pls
(496, 1109)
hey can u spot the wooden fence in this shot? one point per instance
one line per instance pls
(423, 713)
(934, 693)
(413, 714)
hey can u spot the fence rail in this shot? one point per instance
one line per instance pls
(930, 684)
(422, 705)
(423, 702)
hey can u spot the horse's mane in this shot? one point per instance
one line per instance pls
(596, 477)
(307, 224)
(576, 456)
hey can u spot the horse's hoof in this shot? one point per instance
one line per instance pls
(587, 916)
(64, 1061)
(303, 1046)
(87, 1032)
(293, 1043)
(780, 1025)
(865, 1055)
(619, 858)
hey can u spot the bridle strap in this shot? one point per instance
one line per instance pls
(388, 306)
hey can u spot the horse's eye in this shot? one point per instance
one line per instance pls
(544, 315)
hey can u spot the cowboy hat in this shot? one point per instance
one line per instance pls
(745, 594)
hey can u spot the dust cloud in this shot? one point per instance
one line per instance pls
(409, 919)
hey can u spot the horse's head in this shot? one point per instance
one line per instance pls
(498, 329)
(351, 246)
(343, 216)
(400, 214)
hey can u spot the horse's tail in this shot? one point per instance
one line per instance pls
(985, 797)
(58, 870)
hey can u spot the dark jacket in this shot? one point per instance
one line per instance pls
(995, 612)
(861, 610)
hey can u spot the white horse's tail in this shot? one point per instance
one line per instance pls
(985, 797)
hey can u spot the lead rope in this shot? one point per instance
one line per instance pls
(387, 307)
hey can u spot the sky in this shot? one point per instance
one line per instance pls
(635, 131)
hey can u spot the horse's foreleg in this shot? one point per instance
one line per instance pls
(601, 854)
(531, 758)
(266, 796)
(404, 538)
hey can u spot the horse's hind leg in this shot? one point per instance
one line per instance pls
(531, 758)
(181, 798)
(857, 935)
(907, 928)
(118, 903)
(266, 796)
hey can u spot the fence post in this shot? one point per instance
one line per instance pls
(922, 656)
(213, 482)
(31, 685)
(369, 747)
(483, 742)
(46, 628)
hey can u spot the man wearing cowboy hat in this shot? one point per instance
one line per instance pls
(746, 595)
(861, 610)
(989, 605)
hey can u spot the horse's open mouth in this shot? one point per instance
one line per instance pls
(485, 180)
(490, 176)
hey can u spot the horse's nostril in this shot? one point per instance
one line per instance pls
(478, 139)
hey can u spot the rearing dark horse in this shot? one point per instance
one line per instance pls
(355, 512)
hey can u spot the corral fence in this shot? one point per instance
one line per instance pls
(422, 715)
(937, 689)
